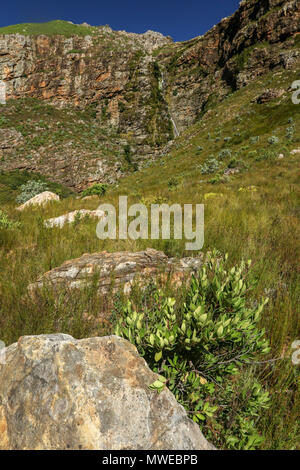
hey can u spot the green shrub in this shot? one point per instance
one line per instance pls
(238, 163)
(12, 181)
(209, 166)
(98, 189)
(224, 153)
(233, 163)
(290, 132)
(265, 155)
(30, 189)
(273, 140)
(3, 120)
(6, 223)
(252, 154)
(203, 348)
(127, 154)
(173, 183)
(219, 179)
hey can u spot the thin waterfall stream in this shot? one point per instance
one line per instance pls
(162, 86)
(176, 131)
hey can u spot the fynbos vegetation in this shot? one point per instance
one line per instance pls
(119, 114)
(203, 347)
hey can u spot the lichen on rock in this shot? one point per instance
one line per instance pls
(60, 393)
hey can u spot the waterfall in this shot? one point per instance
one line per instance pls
(176, 131)
(161, 87)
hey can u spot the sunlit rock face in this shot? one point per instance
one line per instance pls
(60, 393)
(123, 267)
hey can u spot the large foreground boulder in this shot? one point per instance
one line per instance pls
(60, 393)
(118, 269)
(39, 200)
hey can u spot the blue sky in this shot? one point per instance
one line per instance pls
(181, 19)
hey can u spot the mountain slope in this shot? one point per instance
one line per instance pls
(83, 109)
(252, 131)
(140, 90)
(250, 213)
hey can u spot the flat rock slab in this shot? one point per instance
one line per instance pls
(72, 216)
(118, 269)
(60, 393)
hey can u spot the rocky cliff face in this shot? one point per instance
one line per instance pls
(140, 90)
(261, 36)
(111, 71)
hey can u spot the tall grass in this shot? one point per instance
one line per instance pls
(262, 226)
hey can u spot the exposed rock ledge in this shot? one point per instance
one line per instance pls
(70, 217)
(121, 267)
(60, 393)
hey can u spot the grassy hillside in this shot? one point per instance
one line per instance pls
(250, 212)
(51, 28)
(50, 134)
(238, 133)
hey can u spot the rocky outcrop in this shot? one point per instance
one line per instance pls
(261, 36)
(39, 200)
(71, 217)
(60, 393)
(118, 270)
(268, 95)
(10, 138)
(110, 72)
